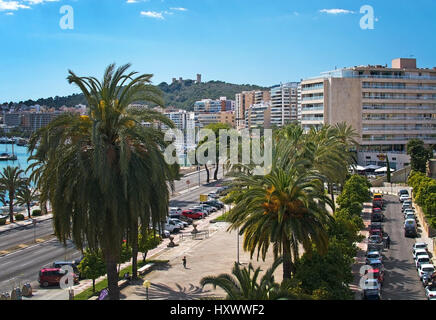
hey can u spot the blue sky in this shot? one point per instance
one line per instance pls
(240, 41)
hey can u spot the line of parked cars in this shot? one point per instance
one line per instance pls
(374, 270)
(51, 276)
(421, 255)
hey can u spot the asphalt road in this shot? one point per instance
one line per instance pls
(24, 265)
(401, 278)
(25, 234)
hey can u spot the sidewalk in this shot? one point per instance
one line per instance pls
(20, 224)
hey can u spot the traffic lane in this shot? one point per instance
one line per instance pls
(24, 265)
(401, 278)
(25, 234)
(194, 181)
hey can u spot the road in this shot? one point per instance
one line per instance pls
(12, 238)
(401, 278)
(24, 265)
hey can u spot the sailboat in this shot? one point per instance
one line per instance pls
(7, 156)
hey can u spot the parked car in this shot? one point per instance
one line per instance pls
(419, 252)
(72, 264)
(377, 264)
(376, 225)
(376, 274)
(213, 195)
(182, 224)
(430, 291)
(422, 259)
(404, 197)
(165, 234)
(175, 212)
(403, 192)
(407, 211)
(373, 256)
(377, 217)
(371, 290)
(189, 221)
(52, 277)
(378, 232)
(410, 216)
(193, 214)
(425, 268)
(419, 245)
(214, 203)
(375, 242)
(197, 209)
(410, 228)
(171, 226)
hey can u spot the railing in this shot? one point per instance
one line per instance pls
(397, 128)
(312, 119)
(398, 138)
(399, 108)
(398, 98)
(398, 87)
(399, 119)
(313, 98)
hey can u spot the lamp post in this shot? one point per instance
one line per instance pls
(147, 285)
(237, 246)
(199, 178)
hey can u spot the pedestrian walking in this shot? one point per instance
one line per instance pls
(184, 262)
(388, 242)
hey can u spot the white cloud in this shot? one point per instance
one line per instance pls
(152, 14)
(12, 5)
(336, 11)
(179, 9)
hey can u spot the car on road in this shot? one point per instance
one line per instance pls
(72, 264)
(410, 228)
(193, 214)
(180, 222)
(203, 208)
(404, 197)
(371, 290)
(403, 192)
(423, 259)
(189, 221)
(408, 211)
(425, 268)
(213, 195)
(430, 291)
(373, 232)
(372, 256)
(376, 225)
(406, 204)
(197, 209)
(375, 242)
(419, 245)
(377, 217)
(52, 277)
(208, 207)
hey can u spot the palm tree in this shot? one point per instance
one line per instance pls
(244, 284)
(26, 195)
(285, 208)
(104, 172)
(10, 182)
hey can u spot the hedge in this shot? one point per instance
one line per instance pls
(36, 213)
(424, 191)
(19, 217)
(2, 222)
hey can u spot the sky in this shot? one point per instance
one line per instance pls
(261, 42)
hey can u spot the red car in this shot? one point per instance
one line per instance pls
(376, 232)
(52, 276)
(193, 215)
(376, 274)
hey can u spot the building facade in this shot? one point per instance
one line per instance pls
(386, 106)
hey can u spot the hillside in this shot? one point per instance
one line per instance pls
(180, 95)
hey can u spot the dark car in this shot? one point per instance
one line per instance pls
(377, 217)
(376, 274)
(183, 218)
(376, 225)
(52, 277)
(72, 264)
(214, 203)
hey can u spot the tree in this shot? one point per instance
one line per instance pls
(148, 241)
(10, 182)
(356, 190)
(285, 208)
(243, 284)
(419, 155)
(26, 195)
(92, 266)
(106, 172)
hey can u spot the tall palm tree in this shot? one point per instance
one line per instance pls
(10, 182)
(244, 284)
(26, 195)
(104, 172)
(285, 208)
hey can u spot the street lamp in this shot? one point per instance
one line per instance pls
(146, 285)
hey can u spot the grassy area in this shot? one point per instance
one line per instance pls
(85, 295)
(222, 218)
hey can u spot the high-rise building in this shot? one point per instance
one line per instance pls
(243, 101)
(207, 105)
(258, 116)
(386, 106)
(284, 104)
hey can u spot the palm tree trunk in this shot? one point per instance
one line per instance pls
(11, 207)
(333, 196)
(112, 274)
(215, 175)
(135, 249)
(28, 210)
(287, 260)
(207, 173)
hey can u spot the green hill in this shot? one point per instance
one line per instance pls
(180, 95)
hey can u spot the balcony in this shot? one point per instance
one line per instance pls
(399, 107)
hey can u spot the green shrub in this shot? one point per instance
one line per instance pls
(19, 217)
(36, 213)
(2, 222)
